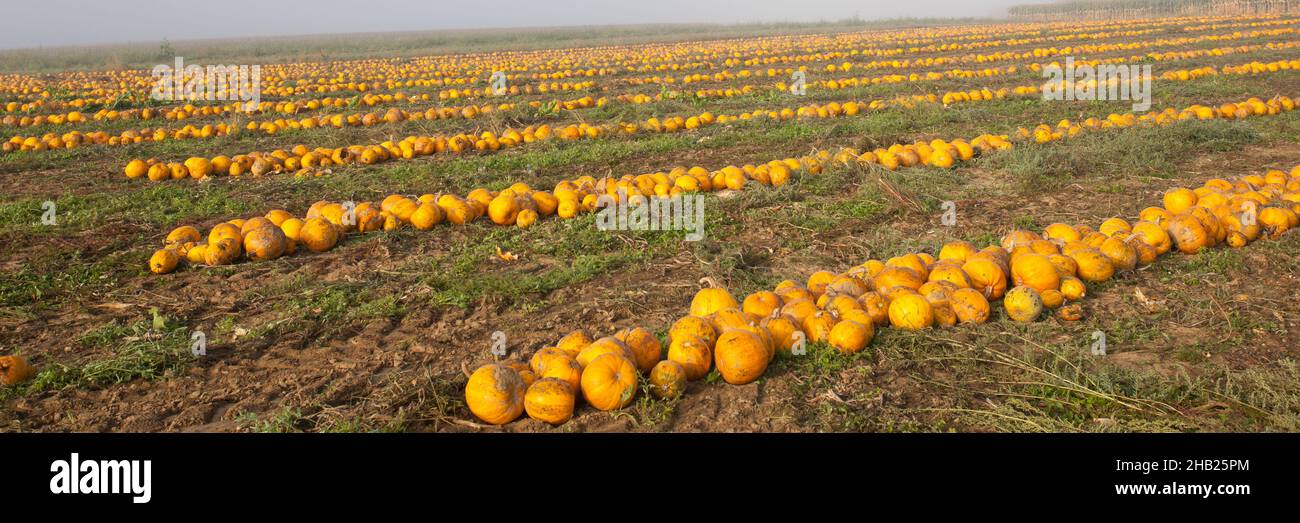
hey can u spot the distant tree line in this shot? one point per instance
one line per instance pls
(1128, 9)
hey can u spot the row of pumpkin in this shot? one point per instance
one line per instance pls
(326, 222)
(1029, 273)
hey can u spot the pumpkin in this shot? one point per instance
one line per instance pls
(265, 243)
(693, 327)
(911, 312)
(223, 252)
(318, 234)
(741, 357)
(15, 370)
(1093, 265)
(876, 307)
(957, 250)
(850, 286)
(550, 400)
(1023, 304)
(1072, 312)
(573, 343)
(969, 305)
(896, 276)
(426, 216)
(546, 357)
(693, 354)
(1114, 226)
(850, 337)
(1062, 232)
(781, 328)
(1154, 235)
(799, 310)
(950, 273)
(712, 299)
(761, 303)
(818, 281)
(1035, 270)
(164, 261)
(667, 380)
(1121, 254)
(609, 381)
(1052, 298)
(495, 394)
(1073, 288)
(1179, 199)
(817, 327)
(1188, 233)
(197, 254)
(986, 276)
(911, 261)
(603, 346)
(645, 347)
(1276, 220)
(224, 231)
(182, 234)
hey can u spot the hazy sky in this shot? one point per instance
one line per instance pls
(50, 23)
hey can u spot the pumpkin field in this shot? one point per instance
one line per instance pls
(822, 227)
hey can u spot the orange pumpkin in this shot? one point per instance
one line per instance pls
(689, 327)
(645, 347)
(1023, 304)
(495, 394)
(741, 357)
(573, 343)
(15, 370)
(969, 305)
(712, 299)
(603, 346)
(667, 380)
(550, 400)
(1035, 270)
(609, 382)
(693, 354)
(850, 337)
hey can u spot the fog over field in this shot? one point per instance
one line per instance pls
(31, 24)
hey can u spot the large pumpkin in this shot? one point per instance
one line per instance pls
(550, 400)
(693, 354)
(495, 394)
(603, 346)
(1035, 270)
(850, 337)
(969, 305)
(667, 380)
(645, 347)
(741, 357)
(609, 382)
(712, 299)
(911, 312)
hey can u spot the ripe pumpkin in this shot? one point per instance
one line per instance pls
(1179, 199)
(1052, 298)
(603, 346)
(265, 243)
(426, 216)
(911, 312)
(667, 380)
(15, 370)
(817, 327)
(897, 276)
(550, 400)
(223, 252)
(1187, 233)
(1121, 254)
(573, 343)
(1093, 265)
(568, 371)
(645, 347)
(693, 354)
(781, 328)
(1035, 270)
(609, 382)
(546, 357)
(712, 299)
(1023, 304)
(1073, 288)
(741, 356)
(182, 234)
(689, 327)
(495, 394)
(319, 235)
(957, 250)
(850, 337)
(986, 276)
(164, 261)
(969, 305)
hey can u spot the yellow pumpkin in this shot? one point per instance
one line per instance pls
(761, 303)
(319, 235)
(164, 261)
(495, 394)
(911, 312)
(1093, 265)
(1023, 304)
(265, 243)
(1187, 233)
(986, 276)
(573, 343)
(712, 299)
(1073, 288)
(603, 346)
(693, 327)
